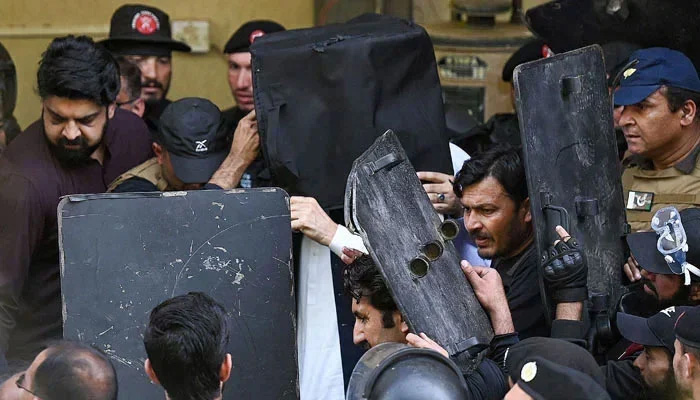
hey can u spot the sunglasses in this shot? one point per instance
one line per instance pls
(20, 385)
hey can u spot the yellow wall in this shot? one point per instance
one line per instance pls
(27, 27)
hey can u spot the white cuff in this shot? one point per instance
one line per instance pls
(343, 238)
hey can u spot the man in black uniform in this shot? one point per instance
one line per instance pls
(142, 35)
(493, 190)
(240, 79)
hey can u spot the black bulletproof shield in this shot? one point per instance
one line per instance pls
(570, 153)
(570, 24)
(323, 95)
(386, 204)
(122, 254)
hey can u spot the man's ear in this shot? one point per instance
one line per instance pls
(526, 205)
(689, 110)
(226, 368)
(139, 107)
(111, 109)
(403, 324)
(150, 372)
(694, 291)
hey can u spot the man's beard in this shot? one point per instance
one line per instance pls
(151, 100)
(666, 390)
(680, 298)
(74, 158)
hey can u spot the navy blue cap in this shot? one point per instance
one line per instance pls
(656, 66)
(643, 245)
(687, 330)
(655, 331)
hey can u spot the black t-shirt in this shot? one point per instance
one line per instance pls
(257, 174)
(521, 283)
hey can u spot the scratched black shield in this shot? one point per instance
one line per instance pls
(571, 161)
(386, 204)
(122, 254)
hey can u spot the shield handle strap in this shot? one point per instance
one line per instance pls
(473, 345)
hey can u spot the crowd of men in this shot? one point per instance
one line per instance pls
(106, 125)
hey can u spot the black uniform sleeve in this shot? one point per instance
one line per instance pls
(135, 184)
(211, 186)
(568, 329)
(487, 382)
(499, 349)
(622, 379)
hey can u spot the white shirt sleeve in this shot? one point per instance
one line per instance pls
(343, 238)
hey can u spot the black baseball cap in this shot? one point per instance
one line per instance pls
(192, 132)
(136, 29)
(655, 67)
(241, 40)
(543, 380)
(655, 331)
(686, 329)
(643, 245)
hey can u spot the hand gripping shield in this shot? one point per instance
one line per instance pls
(386, 204)
(122, 254)
(571, 162)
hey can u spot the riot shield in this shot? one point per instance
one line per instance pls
(569, 24)
(122, 254)
(386, 204)
(570, 154)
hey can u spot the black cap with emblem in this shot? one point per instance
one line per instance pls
(191, 131)
(543, 380)
(137, 29)
(241, 40)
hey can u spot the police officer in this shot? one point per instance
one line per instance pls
(686, 360)
(240, 79)
(142, 35)
(192, 151)
(660, 95)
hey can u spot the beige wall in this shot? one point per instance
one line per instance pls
(27, 27)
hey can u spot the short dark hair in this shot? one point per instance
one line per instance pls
(695, 351)
(132, 75)
(503, 163)
(75, 371)
(77, 68)
(186, 342)
(676, 97)
(363, 279)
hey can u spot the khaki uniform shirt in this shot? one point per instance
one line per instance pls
(647, 190)
(150, 171)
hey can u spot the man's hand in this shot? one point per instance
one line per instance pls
(565, 270)
(488, 288)
(309, 218)
(631, 269)
(244, 149)
(424, 342)
(246, 139)
(439, 189)
(350, 255)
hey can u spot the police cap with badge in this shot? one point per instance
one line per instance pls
(545, 380)
(137, 29)
(241, 40)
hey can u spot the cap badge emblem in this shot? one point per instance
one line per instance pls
(667, 312)
(201, 146)
(145, 22)
(628, 72)
(529, 371)
(255, 34)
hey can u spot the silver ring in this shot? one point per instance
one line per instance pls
(441, 197)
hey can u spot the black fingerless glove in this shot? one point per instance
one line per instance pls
(566, 272)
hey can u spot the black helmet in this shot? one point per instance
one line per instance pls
(395, 371)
